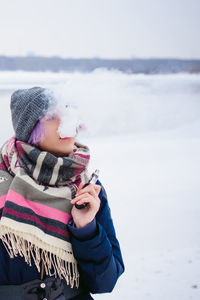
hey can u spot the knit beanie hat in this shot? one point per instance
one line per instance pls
(27, 107)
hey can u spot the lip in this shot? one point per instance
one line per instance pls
(66, 138)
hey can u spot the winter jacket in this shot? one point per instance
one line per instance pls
(95, 247)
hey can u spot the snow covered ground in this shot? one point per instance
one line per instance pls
(145, 139)
(153, 187)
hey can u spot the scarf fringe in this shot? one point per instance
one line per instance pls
(16, 245)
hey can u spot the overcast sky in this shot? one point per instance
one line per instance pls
(100, 28)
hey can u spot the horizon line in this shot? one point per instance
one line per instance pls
(99, 58)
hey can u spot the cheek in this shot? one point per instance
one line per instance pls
(51, 131)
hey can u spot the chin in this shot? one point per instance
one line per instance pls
(67, 150)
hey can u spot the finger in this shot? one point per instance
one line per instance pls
(80, 187)
(88, 189)
(80, 197)
(84, 200)
(90, 200)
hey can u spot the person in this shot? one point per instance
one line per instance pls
(49, 249)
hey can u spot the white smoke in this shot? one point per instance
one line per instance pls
(69, 122)
(65, 110)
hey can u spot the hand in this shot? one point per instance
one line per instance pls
(89, 194)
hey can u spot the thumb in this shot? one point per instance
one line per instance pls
(97, 188)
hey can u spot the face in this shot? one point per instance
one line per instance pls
(52, 142)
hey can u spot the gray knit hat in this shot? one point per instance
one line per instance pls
(27, 107)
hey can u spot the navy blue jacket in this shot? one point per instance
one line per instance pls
(95, 247)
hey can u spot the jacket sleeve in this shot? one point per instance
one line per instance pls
(99, 256)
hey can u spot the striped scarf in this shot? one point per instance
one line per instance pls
(35, 193)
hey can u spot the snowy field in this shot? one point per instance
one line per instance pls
(144, 136)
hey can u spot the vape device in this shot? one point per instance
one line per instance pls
(92, 180)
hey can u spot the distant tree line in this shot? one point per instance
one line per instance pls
(57, 64)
